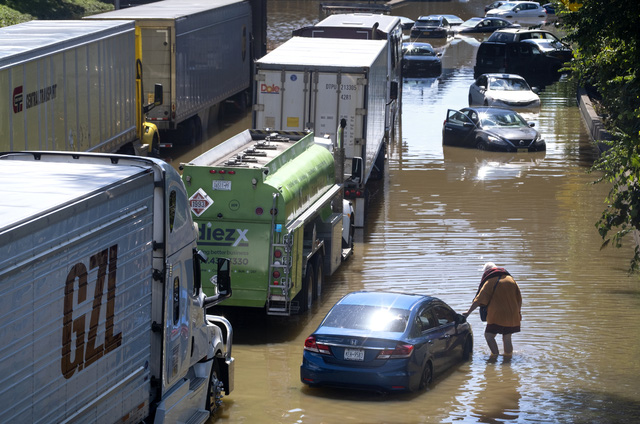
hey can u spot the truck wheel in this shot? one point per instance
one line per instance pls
(305, 297)
(319, 277)
(197, 123)
(188, 132)
(155, 146)
(214, 393)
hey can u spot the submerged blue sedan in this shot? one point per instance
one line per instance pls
(388, 342)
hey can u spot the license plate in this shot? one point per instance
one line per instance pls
(523, 150)
(354, 355)
(221, 185)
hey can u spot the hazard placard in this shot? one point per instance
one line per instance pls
(200, 202)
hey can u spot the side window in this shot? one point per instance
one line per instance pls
(426, 319)
(444, 315)
(178, 208)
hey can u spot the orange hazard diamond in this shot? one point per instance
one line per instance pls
(199, 202)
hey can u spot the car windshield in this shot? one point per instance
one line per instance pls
(508, 84)
(471, 22)
(501, 118)
(366, 317)
(419, 51)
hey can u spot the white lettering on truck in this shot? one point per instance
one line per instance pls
(223, 237)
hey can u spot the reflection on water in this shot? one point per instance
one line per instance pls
(437, 216)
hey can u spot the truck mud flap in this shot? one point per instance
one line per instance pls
(226, 373)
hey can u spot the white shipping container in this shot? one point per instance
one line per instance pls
(313, 83)
(67, 85)
(198, 50)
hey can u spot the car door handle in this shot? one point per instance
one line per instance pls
(446, 336)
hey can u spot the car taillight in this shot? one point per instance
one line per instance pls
(400, 351)
(312, 346)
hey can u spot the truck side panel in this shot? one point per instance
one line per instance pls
(213, 62)
(75, 93)
(75, 307)
(376, 112)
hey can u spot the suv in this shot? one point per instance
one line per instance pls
(521, 58)
(519, 34)
(433, 26)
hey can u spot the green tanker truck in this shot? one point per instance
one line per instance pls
(272, 202)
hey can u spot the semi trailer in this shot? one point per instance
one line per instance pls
(272, 202)
(102, 310)
(75, 86)
(201, 52)
(369, 26)
(313, 84)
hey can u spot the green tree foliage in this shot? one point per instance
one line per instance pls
(16, 11)
(605, 35)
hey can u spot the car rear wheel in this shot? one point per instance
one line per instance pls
(467, 350)
(427, 376)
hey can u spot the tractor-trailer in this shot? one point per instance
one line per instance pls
(102, 313)
(200, 52)
(369, 26)
(272, 203)
(71, 85)
(314, 83)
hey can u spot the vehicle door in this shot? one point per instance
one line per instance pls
(458, 129)
(432, 343)
(523, 59)
(180, 299)
(477, 91)
(447, 334)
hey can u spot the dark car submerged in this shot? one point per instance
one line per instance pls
(420, 60)
(388, 342)
(491, 128)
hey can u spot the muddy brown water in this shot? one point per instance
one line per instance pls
(438, 215)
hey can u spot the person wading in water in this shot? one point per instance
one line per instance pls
(500, 293)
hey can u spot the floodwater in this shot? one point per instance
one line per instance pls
(437, 216)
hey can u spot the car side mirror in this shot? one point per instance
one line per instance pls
(535, 90)
(460, 319)
(532, 124)
(222, 281)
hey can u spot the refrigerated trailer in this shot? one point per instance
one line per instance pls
(102, 313)
(72, 85)
(201, 54)
(369, 26)
(271, 202)
(313, 84)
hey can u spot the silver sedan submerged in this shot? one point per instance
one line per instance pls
(503, 90)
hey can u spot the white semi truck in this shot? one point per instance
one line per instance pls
(201, 52)
(102, 314)
(74, 86)
(313, 84)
